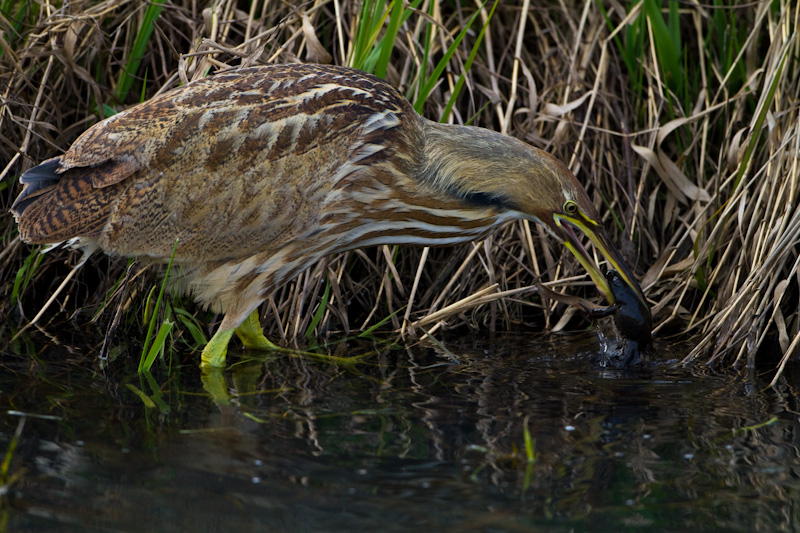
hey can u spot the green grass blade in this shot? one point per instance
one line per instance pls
(426, 52)
(108, 111)
(320, 312)
(158, 346)
(762, 116)
(25, 273)
(148, 305)
(530, 443)
(150, 404)
(369, 330)
(152, 322)
(16, 22)
(668, 43)
(743, 165)
(192, 325)
(398, 14)
(156, 396)
(370, 20)
(9, 456)
(387, 43)
(630, 49)
(433, 79)
(143, 94)
(128, 74)
(530, 455)
(462, 78)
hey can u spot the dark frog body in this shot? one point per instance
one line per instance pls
(632, 319)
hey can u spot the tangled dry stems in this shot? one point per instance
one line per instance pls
(699, 182)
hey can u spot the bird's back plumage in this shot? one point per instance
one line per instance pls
(216, 164)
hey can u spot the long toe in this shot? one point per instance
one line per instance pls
(252, 336)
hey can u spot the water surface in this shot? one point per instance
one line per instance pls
(399, 438)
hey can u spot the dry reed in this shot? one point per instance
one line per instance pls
(682, 123)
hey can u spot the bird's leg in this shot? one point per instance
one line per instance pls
(252, 336)
(249, 332)
(214, 353)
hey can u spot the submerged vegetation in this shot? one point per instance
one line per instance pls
(681, 120)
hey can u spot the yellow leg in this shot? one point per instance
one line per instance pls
(252, 336)
(249, 332)
(216, 349)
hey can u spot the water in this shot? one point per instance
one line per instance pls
(401, 438)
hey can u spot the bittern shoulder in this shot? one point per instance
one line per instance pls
(260, 172)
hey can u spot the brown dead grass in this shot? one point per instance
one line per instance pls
(701, 195)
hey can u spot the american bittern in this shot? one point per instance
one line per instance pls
(262, 171)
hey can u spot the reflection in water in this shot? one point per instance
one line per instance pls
(400, 438)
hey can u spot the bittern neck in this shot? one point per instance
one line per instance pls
(480, 166)
(496, 169)
(454, 158)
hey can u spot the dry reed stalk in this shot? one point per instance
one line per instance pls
(698, 181)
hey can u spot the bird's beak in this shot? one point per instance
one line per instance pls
(598, 236)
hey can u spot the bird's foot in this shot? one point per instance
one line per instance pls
(252, 336)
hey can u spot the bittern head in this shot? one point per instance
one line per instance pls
(532, 184)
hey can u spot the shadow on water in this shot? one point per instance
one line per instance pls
(401, 438)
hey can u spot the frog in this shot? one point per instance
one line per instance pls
(632, 319)
(630, 314)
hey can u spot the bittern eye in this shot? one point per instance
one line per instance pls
(570, 207)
